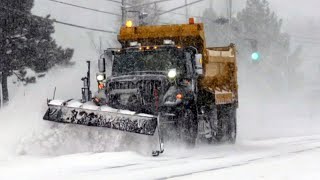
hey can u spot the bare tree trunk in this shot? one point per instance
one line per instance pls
(5, 91)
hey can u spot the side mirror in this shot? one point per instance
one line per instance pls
(102, 65)
(198, 63)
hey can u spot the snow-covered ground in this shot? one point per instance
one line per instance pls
(34, 149)
(281, 158)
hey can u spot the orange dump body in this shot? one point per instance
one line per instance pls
(220, 74)
(183, 35)
(219, 63)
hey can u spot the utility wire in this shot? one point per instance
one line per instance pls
(56, 21)
(145, 4)
(82, 7)
(181, 14)
(133, 6)
(305, 38)
(164, 12)
(114, 1)
(83, 27)
(307, 41)
(171, 11)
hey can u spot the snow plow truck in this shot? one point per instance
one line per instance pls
(162, 76)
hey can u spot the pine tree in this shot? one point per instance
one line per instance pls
(257, 23)
(26, 42)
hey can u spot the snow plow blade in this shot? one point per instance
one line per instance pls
(75, 112)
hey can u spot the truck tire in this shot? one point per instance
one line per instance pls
(227, 124)
(207, 124)
(187, 126)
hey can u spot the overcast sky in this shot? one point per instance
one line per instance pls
(289, 8)
(285, 8)
(292, 11)
(294, 8)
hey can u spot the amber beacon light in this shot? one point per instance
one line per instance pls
(191, 20)
(129, 24)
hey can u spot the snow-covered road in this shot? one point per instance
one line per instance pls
(282, 158)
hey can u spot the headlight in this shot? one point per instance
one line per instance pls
(172, 73)
(100, 77)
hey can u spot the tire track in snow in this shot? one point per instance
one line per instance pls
(186, 159)
(156, 165)
(114, 167)
(249, 161)
(176, 164)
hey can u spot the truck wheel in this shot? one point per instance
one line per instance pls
(187, 126)
(206, 124)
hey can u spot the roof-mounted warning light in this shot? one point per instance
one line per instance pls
(168, 42)
(191, 20)
(129, 24)
(135, 44)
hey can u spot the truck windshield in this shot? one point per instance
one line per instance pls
(148, 61)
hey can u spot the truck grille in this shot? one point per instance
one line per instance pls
(149, 90)
(146, 86)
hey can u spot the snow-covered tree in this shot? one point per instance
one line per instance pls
(256, 21)
(26, 42)
(258, 27)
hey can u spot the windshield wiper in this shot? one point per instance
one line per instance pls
(145, 72)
